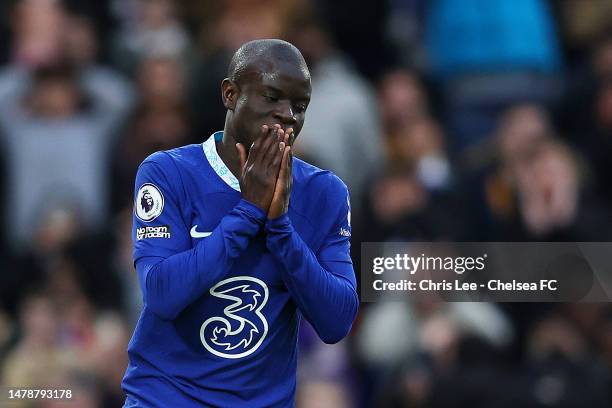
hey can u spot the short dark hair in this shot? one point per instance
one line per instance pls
(269, 49)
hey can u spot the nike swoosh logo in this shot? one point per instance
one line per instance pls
(196, 234)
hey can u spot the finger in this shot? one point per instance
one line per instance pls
(289, 170)
(255, 149)
(275, 154)
(273, 150)
(278, 156)
(265, 144)
(289, 136)
(282, 175)
(242, 155)
(263, 132)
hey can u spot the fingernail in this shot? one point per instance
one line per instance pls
(281, 145)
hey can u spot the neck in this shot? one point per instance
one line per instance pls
(228, 152)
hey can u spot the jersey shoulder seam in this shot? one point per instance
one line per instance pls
(180, 176)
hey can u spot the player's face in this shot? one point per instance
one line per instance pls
(277, 97)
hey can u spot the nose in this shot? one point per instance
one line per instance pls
(285, 114)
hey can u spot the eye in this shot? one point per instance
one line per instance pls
(270, 98)
(300, 107)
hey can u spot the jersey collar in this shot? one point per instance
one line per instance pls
(210, 151)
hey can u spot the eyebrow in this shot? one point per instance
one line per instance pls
(272, 88)
(280, 91)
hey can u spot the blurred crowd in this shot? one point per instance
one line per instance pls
(460, 120)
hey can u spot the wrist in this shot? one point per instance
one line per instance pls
(280, 224)
(255, 203)
(252, 210)
(274, 214)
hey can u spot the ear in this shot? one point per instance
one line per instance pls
(229, 93)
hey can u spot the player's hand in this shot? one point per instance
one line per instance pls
(260, 167)
(282, 190)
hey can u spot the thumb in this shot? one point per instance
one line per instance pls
(242, 155)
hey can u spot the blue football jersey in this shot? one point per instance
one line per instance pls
(219, 324)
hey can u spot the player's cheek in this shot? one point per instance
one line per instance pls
(297, 128)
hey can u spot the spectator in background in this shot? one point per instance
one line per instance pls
(359, 31)
(6, 332)
(81, 49)
(324, 371)
(63, 346)
(487, 55)
(38, 355)
(322, 394)
(541, 193)
(420, 346)
(412, 135)
(109, 357)
(37, 32)
(404, 31)
(57, 126)
(586, 114)
(222, 28)
(559, 369)
(149, 28)
(547, 189)
(5, 32)
(160, 121)
(57, 120)
(582, 24)
(343, 131)
(521, 129)
(122, 263)
(412, 197)
(391, 331)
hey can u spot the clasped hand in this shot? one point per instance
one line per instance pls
(266, 176)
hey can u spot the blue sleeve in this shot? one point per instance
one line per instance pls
(171, 272)
(159, 226)
(323, 286)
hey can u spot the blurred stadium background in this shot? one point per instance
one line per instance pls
(474, 120)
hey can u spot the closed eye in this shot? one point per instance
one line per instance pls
(270, 98)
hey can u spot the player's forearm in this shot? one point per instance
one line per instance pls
(324, 294)
(171, 284)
